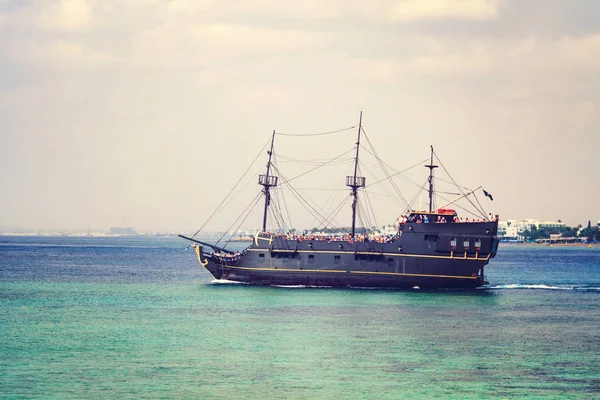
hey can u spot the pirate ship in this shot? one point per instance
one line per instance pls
(431, 247)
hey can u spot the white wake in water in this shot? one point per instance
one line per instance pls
(225, 282)
(228, 282)
(295, 286)
(542, 286)
(495, 287)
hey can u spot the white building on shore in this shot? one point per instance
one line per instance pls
(512, 229)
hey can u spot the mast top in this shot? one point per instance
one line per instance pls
(430, 165)
(267, 181)
(430, 180)
(354, 181)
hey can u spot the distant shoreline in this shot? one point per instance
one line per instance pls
(248, 239)
(551, 244)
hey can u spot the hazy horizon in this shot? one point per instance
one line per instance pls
(145, 113)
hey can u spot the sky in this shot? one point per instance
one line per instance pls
(145, 113)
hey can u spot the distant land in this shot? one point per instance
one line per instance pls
(508, 230)
(113, 231)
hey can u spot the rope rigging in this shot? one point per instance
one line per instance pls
(392, 183)
(282, 193)
(363, 217)
(458, 187)
(305, 203)
(278, 225)
(393, 197)
(370, 207)
(325, 216)
(243, 220)
(330, 199)
(248, 209)
(334, 213)
(461, 207)
(219, 207)
(452, 183)
(399, 173)
(315, 134)
(317, 167)
(412, 203)
(366, 206)
(313, 161)
(480, 207)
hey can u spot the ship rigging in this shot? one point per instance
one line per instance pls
(431, 247)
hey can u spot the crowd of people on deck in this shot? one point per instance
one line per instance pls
(364, 237)
(383, 237)
(373, 237)
(441, 219)
(227, 256)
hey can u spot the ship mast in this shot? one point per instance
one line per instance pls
(267, 181)
(430, 180)
(354, 181)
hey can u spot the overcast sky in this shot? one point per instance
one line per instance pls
(145, 113)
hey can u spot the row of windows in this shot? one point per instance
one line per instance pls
(311, 258)
(466, 243)
(453, 244)
(336, 260)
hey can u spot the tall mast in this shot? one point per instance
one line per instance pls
(354, 181)
(430, 180)
(267, 181)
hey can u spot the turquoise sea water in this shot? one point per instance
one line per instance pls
(138, 318)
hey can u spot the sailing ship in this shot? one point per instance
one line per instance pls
(432, 248)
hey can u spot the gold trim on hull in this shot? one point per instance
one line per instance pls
(450, 257)
(205, 263)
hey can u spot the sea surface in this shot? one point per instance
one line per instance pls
(98, 317)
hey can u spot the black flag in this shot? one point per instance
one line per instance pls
(488, 195)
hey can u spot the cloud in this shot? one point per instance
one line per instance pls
(580, 52)
(183, 34)
(61, 55)
(410, 10)
(214, 44)
(186, 6)
(313, 9)
(67, 15)
(153, 71)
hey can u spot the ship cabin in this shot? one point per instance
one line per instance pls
(440, 216)
(450, 233)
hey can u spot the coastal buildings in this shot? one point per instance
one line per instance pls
(122, 231)
(512, 229)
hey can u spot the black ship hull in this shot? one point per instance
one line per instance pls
(425, 255)
(339, 278)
